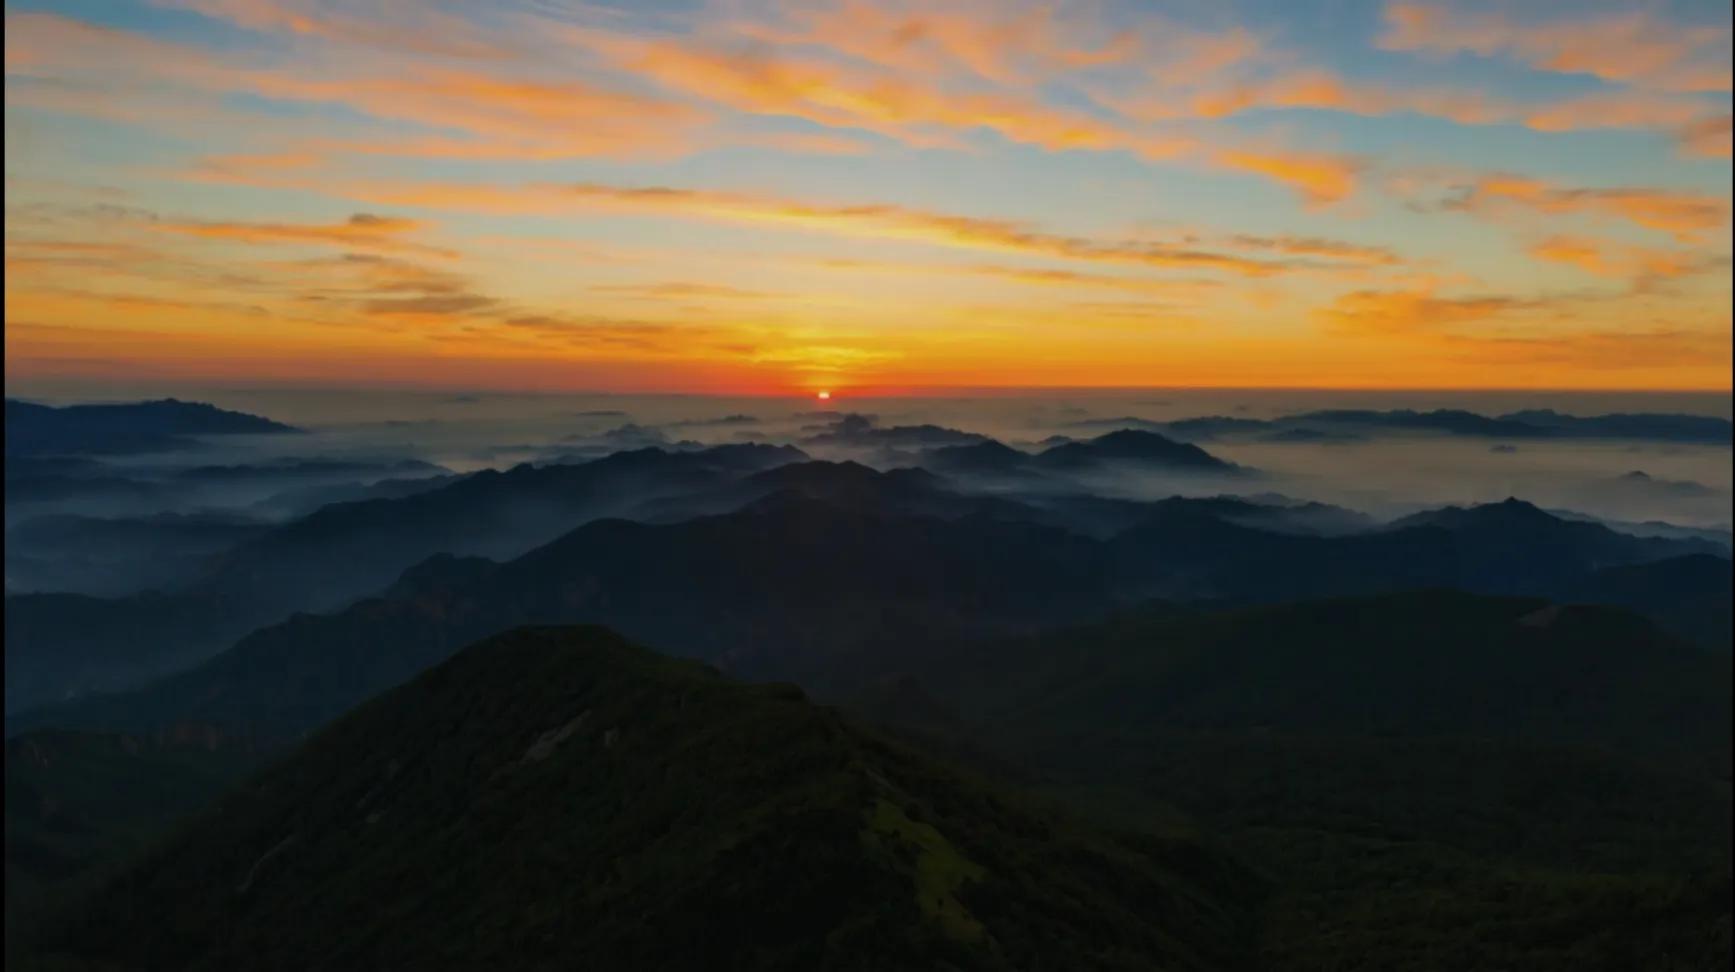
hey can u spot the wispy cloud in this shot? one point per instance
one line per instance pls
(361, 231)
(872, 220)
(1688, 216)
(1642, 266)
(1637, 48)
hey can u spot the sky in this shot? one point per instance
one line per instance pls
(868, 198)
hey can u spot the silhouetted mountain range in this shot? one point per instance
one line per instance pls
(1127, 450)
(797, 587)
(33, 429)
(1350, 424)
(1132, 446)
(856, 431)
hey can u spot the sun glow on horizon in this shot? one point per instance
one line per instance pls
(285, 195)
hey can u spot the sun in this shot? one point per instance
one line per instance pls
(824, 396)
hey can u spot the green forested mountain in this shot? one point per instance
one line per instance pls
(78, 803)
(561, 798)
(1432, 781)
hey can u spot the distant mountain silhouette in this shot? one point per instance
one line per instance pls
(1132, 446)
(1642, 483)
(1449, 420)
(1720, 537)
(33, 429)
(981, 458)
(1208, 427)
(1660, 426)
(855, 431)
(1332, 425)
(558, 796)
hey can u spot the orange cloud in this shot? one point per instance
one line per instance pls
(1708, 139)
(874, 220)
(1605, 258)
(1313, 246)
(991, 41)
(412, 28)
(363, 230)
(1688, 216)
(1411, 311)
(1324, 90)
(1319, 178)
(504, 117)
(907, 109)
(72, 254)
(497, 113)
(1644, 358)
(492, 109)
(681, 290)
(923, 112)
(1191, 289)
(1637, 48)
(1680, 116)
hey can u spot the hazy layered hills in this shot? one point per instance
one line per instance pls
(833, 593)
(41, 485)
(1476, 737)
(560, 798)
(789, 583)
(116, 556)
(790, 586)
(33, 429)
(348, 550)
(58, 644)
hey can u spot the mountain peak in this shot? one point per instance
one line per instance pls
(560, 795)
(1134, 445)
